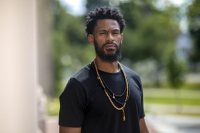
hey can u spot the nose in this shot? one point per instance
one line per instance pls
(110, 37)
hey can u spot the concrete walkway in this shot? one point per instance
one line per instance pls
(174, 123)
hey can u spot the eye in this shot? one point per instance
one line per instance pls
(102, 33)
(116, 32)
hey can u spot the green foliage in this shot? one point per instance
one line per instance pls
(150, 32)
(91, 4)
(194, 27)
(175, 71)
(53, 107)
(69, 45)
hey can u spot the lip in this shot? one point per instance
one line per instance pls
(110, 45)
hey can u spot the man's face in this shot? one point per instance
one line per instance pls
(107, 40)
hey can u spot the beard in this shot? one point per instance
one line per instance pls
(108, 57)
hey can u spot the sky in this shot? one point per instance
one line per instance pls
(77, 7)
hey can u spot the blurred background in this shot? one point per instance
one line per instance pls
(43, 42)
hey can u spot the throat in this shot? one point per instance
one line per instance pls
(109, 67)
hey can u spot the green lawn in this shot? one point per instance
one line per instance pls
(170, 96)
(175, 100)
(152, 96)
(167, 101)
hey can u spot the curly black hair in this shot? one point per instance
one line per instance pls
(103, 13)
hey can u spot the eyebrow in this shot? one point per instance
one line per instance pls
(107, 30)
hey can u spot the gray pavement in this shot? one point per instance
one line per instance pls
(173, 123)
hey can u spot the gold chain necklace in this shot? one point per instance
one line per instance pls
(110, 99)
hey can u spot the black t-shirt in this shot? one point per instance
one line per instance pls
(84, 104)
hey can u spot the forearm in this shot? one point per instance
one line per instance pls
(143, 126)
(69, 129)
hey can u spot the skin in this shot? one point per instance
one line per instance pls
(106, 34)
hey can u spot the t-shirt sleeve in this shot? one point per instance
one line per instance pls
(141, 113)
(72, 104)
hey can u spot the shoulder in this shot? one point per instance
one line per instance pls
(132, 75)
(82, 74)
(84, 81)
(75, 84)
(85, 77)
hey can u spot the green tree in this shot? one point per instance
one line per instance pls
(150, 32)
(91, 4)
(175, 71)
(176, 76)
(69, 45)
(194, 27)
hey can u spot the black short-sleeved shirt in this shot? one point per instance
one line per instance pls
(84, 104)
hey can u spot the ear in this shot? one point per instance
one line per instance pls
(90, 38)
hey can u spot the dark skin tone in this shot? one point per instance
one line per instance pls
(107, 31)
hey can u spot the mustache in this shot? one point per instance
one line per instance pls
(110, 43)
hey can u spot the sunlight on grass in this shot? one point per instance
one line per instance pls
(171, 100)
(165, 97)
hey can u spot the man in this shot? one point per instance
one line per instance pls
(104, 96)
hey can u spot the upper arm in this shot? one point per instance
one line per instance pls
(72, 105)
(143, 126)
(69, 129)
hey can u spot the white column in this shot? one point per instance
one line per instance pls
(18, 66)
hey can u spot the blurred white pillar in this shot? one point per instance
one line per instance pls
(18, 66)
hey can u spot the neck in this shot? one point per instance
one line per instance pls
(110, 67)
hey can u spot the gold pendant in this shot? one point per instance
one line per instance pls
(113, 96)
(123, 114)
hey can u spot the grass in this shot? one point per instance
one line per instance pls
(175, 100)
(171, 100)
(171, 96)
(152, 96)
